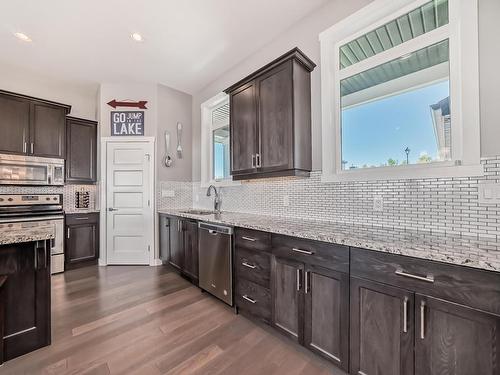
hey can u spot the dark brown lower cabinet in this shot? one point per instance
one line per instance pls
(179, 242)
(454, 339)
(26, 295)
(288, 299)
(82, 240)
(310, 304)
(190, 231)
(326, 314)
(381, 329)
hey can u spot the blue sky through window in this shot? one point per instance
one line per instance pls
(377, 131)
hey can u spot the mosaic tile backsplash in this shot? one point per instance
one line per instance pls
(68, 192)
(441, 205)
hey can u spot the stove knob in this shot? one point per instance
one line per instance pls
(1, 199)
(47, 198)
(10, 199)
(55, 198)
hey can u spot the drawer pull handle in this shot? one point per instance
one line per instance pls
(80, 218)
(248, 265)
(251, 300)
(251, 239)
(428, 278)
(307, 252)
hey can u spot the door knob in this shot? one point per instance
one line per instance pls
(112, 209)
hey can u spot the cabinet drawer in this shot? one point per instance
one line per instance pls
(471, 287)
(253, 299)
(254, 266)
(74, 219)
(332, 256)
(252, 239)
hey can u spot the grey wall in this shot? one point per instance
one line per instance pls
(305, 34)
(174, 106)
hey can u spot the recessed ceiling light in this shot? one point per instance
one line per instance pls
(137, 37)
(23, 37)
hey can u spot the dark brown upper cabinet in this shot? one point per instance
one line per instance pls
(81, 151)
(270, 119)
(31, 126)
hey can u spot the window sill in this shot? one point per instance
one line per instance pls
(222, 183)
(404, 173)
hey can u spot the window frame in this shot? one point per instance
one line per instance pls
(207, 149)
(462, 32)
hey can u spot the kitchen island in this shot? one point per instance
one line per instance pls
(25, 293)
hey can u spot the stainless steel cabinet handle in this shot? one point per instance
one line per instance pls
(307, 282)
(428, 278)
(422, 320)
(302, 251)
(251, 239)
(25, 147)
(36, 255)
(258, 161)
(299, 274)
(32, 147)
(67, 232)
(248, 265)
(405, 315)
(253, 161)
(81, 218)
(251, 300)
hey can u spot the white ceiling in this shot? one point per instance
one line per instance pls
(187, 43)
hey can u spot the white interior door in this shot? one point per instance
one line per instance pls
(129, 211)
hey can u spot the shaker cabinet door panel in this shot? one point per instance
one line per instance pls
(191, 248)
(243, 129)
(275, 110)
(326, 320)
(14, 124)
(381, 336)
(453, 339)
(81, 151)
(47, 133)
(287, 309)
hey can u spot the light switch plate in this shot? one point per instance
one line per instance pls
(378, 203)
(489, 192)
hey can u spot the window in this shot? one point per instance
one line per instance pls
(399, 98)
(215, 143)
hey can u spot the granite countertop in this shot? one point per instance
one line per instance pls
(25, 232)
(461, 250)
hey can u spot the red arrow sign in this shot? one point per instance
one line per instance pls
(140, 104)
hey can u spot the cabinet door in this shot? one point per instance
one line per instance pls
(453, 339)
(27, 297)
(275, 114)
(287, 301)
(243, 113)
(14, 124)
(382, 329)
(326, 318)
(47, 130)
(164, 237)
(81, 243)
(81, 138)
(190, 248)
(176, 256)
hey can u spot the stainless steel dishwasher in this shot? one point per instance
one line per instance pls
(215, 259)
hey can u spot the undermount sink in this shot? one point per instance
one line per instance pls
(198, 212)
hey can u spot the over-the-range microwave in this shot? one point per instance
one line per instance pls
(30, 170)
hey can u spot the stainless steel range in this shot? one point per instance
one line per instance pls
(37, 209)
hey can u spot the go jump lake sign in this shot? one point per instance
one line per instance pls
(127, 123)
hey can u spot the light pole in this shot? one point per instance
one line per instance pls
(407, 151)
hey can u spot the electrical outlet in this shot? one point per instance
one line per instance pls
(167, 193)
(378, 203)
(286, 201)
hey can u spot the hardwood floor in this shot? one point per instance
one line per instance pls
(149, 320)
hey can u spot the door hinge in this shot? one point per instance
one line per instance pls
(149, 248)
(149, 203)
(148, 156)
